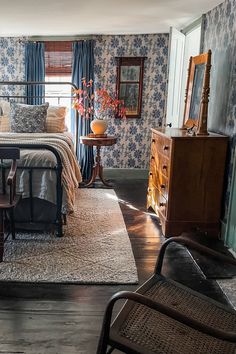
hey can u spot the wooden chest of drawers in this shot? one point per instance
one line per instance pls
(186, 180)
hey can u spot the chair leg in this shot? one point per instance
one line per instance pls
(103, 344)
(1, 235)
(12, 223)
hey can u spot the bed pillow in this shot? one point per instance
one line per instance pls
(55, 122)
(4, 108)
(4, 124)
(28, 118)
(55, 125)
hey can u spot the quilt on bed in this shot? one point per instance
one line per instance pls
(44, 181)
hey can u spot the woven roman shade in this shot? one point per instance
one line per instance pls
(58, 58)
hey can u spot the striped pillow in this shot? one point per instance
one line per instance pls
(55, 122)
(4, 124)
(5, 107)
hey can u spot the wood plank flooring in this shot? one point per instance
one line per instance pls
(56, 319)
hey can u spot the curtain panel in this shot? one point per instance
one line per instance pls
(83, 67)
(35, 71)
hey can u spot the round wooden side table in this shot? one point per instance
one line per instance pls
(97, 167)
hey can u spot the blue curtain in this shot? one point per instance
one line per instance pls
(35, 71)
(83, 67)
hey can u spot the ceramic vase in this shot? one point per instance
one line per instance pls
(98, 126)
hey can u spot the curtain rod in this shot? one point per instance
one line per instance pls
(59, 38)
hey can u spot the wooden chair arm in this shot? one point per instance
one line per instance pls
(12, 173)
(194, 245)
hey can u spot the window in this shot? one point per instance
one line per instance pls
(130, 84)
(58, 58)
(58, 68)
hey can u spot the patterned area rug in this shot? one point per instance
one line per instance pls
(95, 249)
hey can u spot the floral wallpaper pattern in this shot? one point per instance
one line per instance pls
(132, 149)
(12, 63)
(219, 35)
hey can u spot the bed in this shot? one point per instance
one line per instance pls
(48, 173)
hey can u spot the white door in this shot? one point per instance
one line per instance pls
(177, 43)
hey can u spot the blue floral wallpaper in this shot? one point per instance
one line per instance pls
(12, 63)
(133, 147)
(219, 35)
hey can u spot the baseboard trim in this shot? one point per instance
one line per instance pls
(126, 173)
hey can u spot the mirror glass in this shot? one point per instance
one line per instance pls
(129, 84)
(198, 78)
(197, 91)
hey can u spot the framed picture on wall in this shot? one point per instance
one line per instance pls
(129, 84)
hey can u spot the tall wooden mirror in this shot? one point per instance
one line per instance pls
(197, 93)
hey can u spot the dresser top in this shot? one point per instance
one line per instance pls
(182, 133)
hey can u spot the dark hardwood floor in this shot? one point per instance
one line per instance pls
(56, 319)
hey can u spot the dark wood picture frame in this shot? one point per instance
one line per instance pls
(130, 80)
(197, 93)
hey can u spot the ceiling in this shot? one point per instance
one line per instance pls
(77, 17)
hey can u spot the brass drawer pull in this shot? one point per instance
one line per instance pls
(153, 140)
(152, 157)
(164, 167)
(165, 147)
(150, 173)
(163, 186)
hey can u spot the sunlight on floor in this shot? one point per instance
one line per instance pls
(121, 201)
(142, 220)
(111, 196)
(144, 225)
(117, 231)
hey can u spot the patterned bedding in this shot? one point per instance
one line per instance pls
(44, 181)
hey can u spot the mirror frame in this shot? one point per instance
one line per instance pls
(201, 122)
(131, 61)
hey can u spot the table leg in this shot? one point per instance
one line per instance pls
(102, 178)
(97, 170)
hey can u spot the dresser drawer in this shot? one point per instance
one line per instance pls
(157, 179)
(162, 164)
(161, 144)
(157, 201)
(163, 186)
(154, 174)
